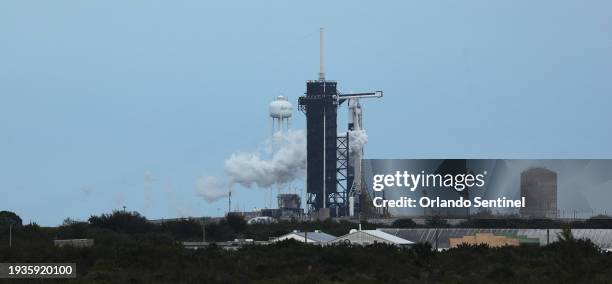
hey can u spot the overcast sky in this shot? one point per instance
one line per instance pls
(112, 103)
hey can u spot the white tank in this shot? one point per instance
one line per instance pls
(281, 108)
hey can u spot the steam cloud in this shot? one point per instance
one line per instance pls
(288, 162)
(211, 188)
(357, 139)
(284, 162)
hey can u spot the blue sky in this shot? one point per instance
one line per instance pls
(112, 103)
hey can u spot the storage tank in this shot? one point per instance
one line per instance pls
(539, 187)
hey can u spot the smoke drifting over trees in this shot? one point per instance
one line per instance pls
(284, 163)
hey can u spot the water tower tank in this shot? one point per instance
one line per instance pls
(280, 111)
(281, 108)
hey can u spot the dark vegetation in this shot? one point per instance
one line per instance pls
(9, 218)
(129, 249)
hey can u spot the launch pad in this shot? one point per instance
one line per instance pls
(331, 177)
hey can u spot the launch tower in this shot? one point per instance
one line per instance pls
(327, 178)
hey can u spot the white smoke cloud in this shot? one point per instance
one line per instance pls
(357, 140)
(211, 188)
(286, 163)
(281, 161)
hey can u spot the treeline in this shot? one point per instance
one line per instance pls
(130, 249)
(122, 223)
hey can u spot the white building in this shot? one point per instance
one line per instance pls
(317, 237)
(77, 243)
(368, 237)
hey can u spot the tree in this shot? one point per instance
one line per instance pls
(125, 222)
(235, 222)
(566, 236)
(9, 218)
(184, 229)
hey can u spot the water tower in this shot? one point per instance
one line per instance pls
(280, 111)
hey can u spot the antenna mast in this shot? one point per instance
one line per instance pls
(229, 199)
(321, 66)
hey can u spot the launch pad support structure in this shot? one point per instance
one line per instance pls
(328, 176)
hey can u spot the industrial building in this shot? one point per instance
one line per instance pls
(317, 237)
(438, 238)
(444, 238)
(77, 243)
(289, 207)
(539, 187)
(369, 237)
(229, 245)
(261, 220)
(492, 240)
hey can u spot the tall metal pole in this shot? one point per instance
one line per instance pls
(229, 205)
(10, 235)
(321, 67)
